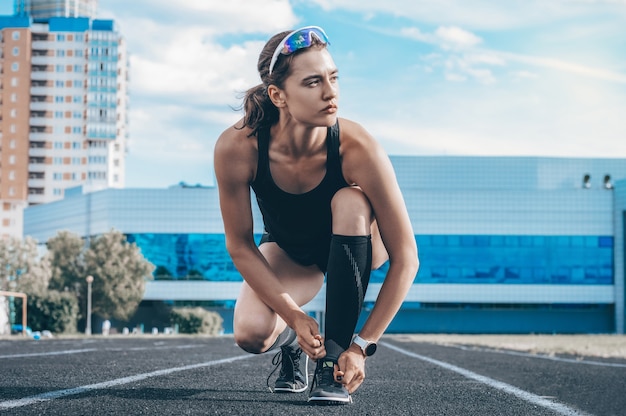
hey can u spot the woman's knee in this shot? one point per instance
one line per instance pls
(251, 340)
(351, 211)
(253, 333)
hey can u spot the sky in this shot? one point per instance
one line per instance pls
(425, 77)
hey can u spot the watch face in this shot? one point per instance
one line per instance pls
(370, 349)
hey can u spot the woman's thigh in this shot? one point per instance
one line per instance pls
(302, 283)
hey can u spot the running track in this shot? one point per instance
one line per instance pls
(168, 375)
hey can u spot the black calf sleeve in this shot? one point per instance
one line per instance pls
(349, 266)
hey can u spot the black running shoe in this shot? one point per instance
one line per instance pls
(324, 389)
(291, 379)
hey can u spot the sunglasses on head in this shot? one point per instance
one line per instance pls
(298, 39)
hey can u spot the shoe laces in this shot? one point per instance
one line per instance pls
(324, 374)
(287, 362)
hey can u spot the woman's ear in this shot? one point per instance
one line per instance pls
(276, 95)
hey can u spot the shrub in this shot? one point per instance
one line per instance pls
(53, 311)
(197, 321)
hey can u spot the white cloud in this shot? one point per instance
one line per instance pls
(478, 14)
(455, 37)
(217, 16)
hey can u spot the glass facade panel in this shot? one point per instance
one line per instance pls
(443, 259)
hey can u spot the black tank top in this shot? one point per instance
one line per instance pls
(300, 223)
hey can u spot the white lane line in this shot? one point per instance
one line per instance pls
(51, 395)
(507, 388)
(39, 354)
(542, 356)
(151, 348)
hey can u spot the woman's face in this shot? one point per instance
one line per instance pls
(311, 92)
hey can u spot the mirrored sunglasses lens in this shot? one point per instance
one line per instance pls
(302, 39)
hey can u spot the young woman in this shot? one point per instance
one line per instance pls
(331, 206)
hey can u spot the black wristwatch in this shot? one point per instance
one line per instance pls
(367, 347)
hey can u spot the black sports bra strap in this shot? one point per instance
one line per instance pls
(263, 158)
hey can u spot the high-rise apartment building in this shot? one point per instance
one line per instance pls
(44, 9)
(63, 105)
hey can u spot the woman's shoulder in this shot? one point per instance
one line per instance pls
(235, 138)
(354, 135)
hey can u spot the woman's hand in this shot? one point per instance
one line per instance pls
(309, 338)
(351, 368)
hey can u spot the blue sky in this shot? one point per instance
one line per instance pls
(426, 77)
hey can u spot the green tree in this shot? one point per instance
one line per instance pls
(23, 269)
(65, 251)
(120, 272)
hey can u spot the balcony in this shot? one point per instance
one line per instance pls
(36, 175)
(39, 121)
(41, 129)
(37, 145)
(34, 199)
(40, 106)
(39, 98)
(39, 37)
(41, 67)
(42, 52)
(37, 154)
(36, 184)
(39, 91)
(36, 160)
(42, 75)
(35, 191)
(39, 114)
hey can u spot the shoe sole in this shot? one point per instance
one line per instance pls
(329, 401)
(301, 389)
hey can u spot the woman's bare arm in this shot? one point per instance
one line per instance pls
(366, 164)
(235, 164)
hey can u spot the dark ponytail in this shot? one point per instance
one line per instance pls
(258, 110)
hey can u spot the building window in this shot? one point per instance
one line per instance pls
(14, 82)
(61, 38)
(13, 97)
(15, 67)
(61, 53)
(12, 160)
(12, 175)
(16, 51)
(12, 144)
(16, 35)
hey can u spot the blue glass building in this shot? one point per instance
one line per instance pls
(506, 244)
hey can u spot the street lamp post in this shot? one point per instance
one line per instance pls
(88, 326)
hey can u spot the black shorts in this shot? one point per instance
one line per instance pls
(314, 253)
